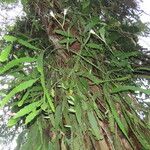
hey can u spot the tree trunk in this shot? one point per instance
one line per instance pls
(91, 113)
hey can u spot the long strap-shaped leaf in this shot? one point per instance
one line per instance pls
(10, 38)
(130, 88)
(31, 116)
(40, 69)
(115, 114)
(25, 43)
(97, 81)
(17, 89)
(27, 109)
(94, 125)
(15, 62)
(5, 53)
(141, 137)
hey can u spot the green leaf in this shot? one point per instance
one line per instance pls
(111, 122)
(20, 103)
(40, 69)
(40, 63)
(10, 38)
(91, 77)
(63, 33)
(134, 127)
(97, 81)
(143, 69)
(67, 40)
(115, 113)
(78, 113)
(27, 44)
(93, 22)
(130, 88)
(93, 45)
(5, 53)
(27, 109)
(49, 98)
(31, 116)
(15, 62)
(44, 106)
(102, 33)
(17, 89)
(85, 4)
(12, 122)
(125, 55)
(94, 125)
(58, 116)
(9, 1)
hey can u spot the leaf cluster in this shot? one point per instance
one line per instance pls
(81, 83)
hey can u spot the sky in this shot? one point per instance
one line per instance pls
(9, 17)
(145, 17)
(146, 7)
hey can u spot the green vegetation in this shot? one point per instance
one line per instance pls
(75, 65)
